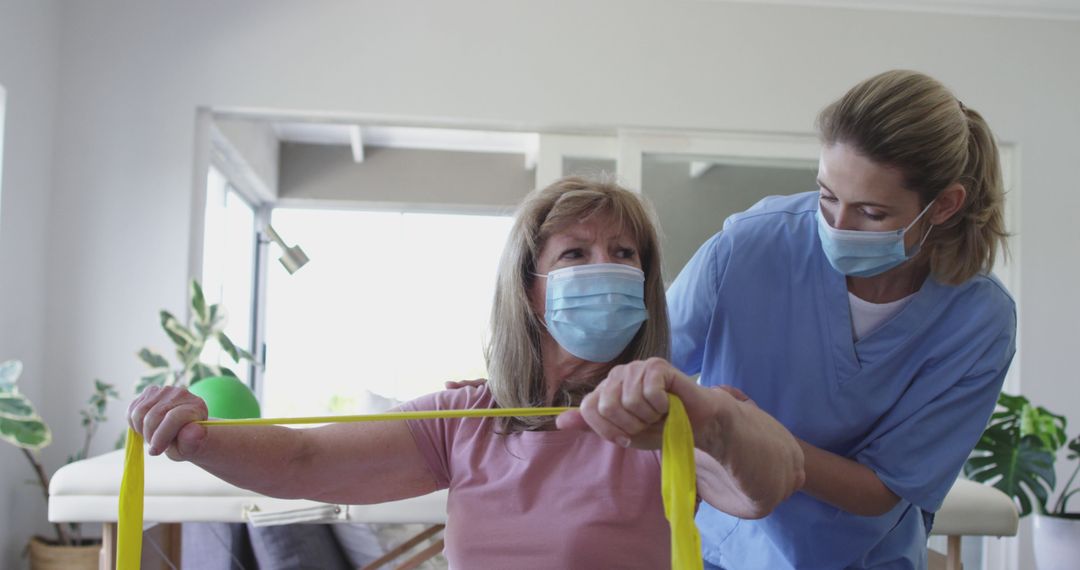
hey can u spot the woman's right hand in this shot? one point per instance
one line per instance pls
(166, 416)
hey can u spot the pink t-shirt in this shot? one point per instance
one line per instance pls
(544, 499)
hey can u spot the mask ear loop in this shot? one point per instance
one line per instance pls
(919, 217)
(918, 246)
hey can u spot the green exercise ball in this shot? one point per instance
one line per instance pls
(226, 398)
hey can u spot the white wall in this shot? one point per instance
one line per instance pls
(254, 148)
(692, 209)
(28, 67)
(134, 72)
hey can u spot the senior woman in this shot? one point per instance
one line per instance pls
(862, 316)
(579, 299)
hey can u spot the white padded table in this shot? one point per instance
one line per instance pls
(973, 509)
(88, 491)
(175, 492)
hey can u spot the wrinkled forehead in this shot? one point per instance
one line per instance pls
(603, 223)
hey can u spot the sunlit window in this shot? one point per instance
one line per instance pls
(229, 265)
(391, 305)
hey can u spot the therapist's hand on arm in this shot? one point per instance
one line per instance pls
(747, 463)
(355, 463)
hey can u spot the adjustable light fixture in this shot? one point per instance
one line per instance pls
(293, 258)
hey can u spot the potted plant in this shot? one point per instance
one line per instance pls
(226, 396)
(1016, 454)
(21, 425)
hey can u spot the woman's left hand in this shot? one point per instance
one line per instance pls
(629, 407)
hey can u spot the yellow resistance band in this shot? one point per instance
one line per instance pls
(678, 480)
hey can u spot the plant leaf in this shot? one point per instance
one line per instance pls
(15, 406)
(1048, 427)
(200, 371)
(9, 373)
(153, 359)
(30, 434)
(178, 333)
(1020, 467)
(198, 302)
(228, 346)
(152, 380)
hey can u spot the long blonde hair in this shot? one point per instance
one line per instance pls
(514, 363)
(910, 121)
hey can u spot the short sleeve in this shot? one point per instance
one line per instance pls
(435, 437)
(921, 457)
(692, 302)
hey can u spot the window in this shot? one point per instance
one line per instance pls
(391, 305)
(229, 257)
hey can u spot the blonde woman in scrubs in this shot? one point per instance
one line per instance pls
(579, 299)
(862, 316)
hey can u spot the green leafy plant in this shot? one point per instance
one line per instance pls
(21, 426)
(1063, 500)
(206, 325)
(1016, 454)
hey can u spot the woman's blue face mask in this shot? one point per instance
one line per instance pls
(593, 311)
(866, 253)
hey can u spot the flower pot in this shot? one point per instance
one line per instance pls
(1057, 542)
(45, 556)
(226, 398)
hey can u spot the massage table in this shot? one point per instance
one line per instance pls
(87, 492)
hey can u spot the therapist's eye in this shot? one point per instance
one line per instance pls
(626, 253)
(829, 199)
(873, 216)
(571, 254)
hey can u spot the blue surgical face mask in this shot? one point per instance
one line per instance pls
(864, 253)
(593, 311)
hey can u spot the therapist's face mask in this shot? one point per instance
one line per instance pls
(866, 253)
(593, 311)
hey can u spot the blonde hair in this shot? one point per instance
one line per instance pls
(514, 363)
(910, 121)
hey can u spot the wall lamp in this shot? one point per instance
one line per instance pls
(294, 258)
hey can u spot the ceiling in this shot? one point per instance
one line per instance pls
(407, 137)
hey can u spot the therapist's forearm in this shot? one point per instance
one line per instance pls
(845, 484)
(758, 463)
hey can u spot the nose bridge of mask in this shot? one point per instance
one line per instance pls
(608, 269)
(870, 234)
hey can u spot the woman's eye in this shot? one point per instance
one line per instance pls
(626, 253)
(828, 198)
(873, 216)
(571, 254)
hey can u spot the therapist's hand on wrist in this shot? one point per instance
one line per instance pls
(630, 406)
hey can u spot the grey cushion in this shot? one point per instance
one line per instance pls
(296, 547)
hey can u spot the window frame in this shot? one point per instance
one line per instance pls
(213, 150)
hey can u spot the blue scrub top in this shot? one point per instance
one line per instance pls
(760, 308)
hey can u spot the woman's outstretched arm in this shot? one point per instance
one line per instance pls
(354, 463)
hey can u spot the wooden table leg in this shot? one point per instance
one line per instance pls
(422, 556)
(172, 542)
(107, 560)
(952, 561)
(405, 547)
